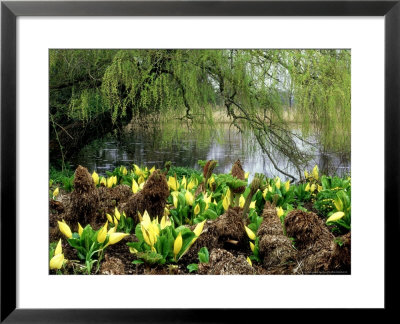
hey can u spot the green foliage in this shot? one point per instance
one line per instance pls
(193, 267)
(204, 257)
(90, 245)
(63, 178)
(256, 256)
(342, 203)
(230, 181)
(52, 249)
(183, 171)
(160, 248)
(124, 224)
(261, 91)
(322, 83)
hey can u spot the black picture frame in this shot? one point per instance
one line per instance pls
(10, 10)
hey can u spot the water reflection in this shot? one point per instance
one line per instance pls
(156, 145)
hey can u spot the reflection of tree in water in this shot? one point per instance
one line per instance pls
(334, 163)
(183, 147)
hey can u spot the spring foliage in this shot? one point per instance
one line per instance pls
(260, 91)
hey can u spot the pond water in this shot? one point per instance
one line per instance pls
(154, 145)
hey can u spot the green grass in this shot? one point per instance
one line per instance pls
(62, 178)
(182, 171)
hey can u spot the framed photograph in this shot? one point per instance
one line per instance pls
(163, 158)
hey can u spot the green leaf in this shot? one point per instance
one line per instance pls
(203, 254)
(253, 227)
(181, 200)
(193, 267)
(176, 219)
(138, 233)
(210, 214)
(198, 219)
(151, 257)
(137, 262)
(135, 245)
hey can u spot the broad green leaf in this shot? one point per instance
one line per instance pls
(193, 267)
(204, 255)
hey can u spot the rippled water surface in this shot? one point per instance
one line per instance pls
(154, 145)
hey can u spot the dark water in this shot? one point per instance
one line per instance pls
(184, 147)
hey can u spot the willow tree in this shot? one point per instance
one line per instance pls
(253, 86)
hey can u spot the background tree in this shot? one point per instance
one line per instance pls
(262, 92)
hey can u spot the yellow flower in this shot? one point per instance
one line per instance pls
(226, 202)
(307, 187)
(175, 201)
(252, 205)
(306, 174)
(95, 178)
(177, 244)
(145, 235)
(58, 249)
(320, 188)
(133, 250)
(138, 171)
(183, 182)
(103, 181)
(152, 237)
(215, 202)
(112, 230)
(115, 222)
(140, 180)
(334, 217)
(265, 192)
(141, 185)
(197, 209)
(211, 181)
(199, 228)
(252, 246)
(166, 211)
(241, 201)
(173, 183)
(246, 175)
(102, 234)
(278, 182)
(64, 228)
(154, 227)
(207, 198)
(191, 185)
(117, 213)
(189, 198)
(57, 261)
(80, 229)
(110, 182)
(165, 222)
(315, 172)
(152, 169)
(279, 211)
(250, 233)
(124, 170)
(109, 217)
(114, 180)
(146, 221)
(116, 237)
(312, 188)
(55, 192)
(249, 261)
(338, 204)
(135, 186)
(287, 185)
